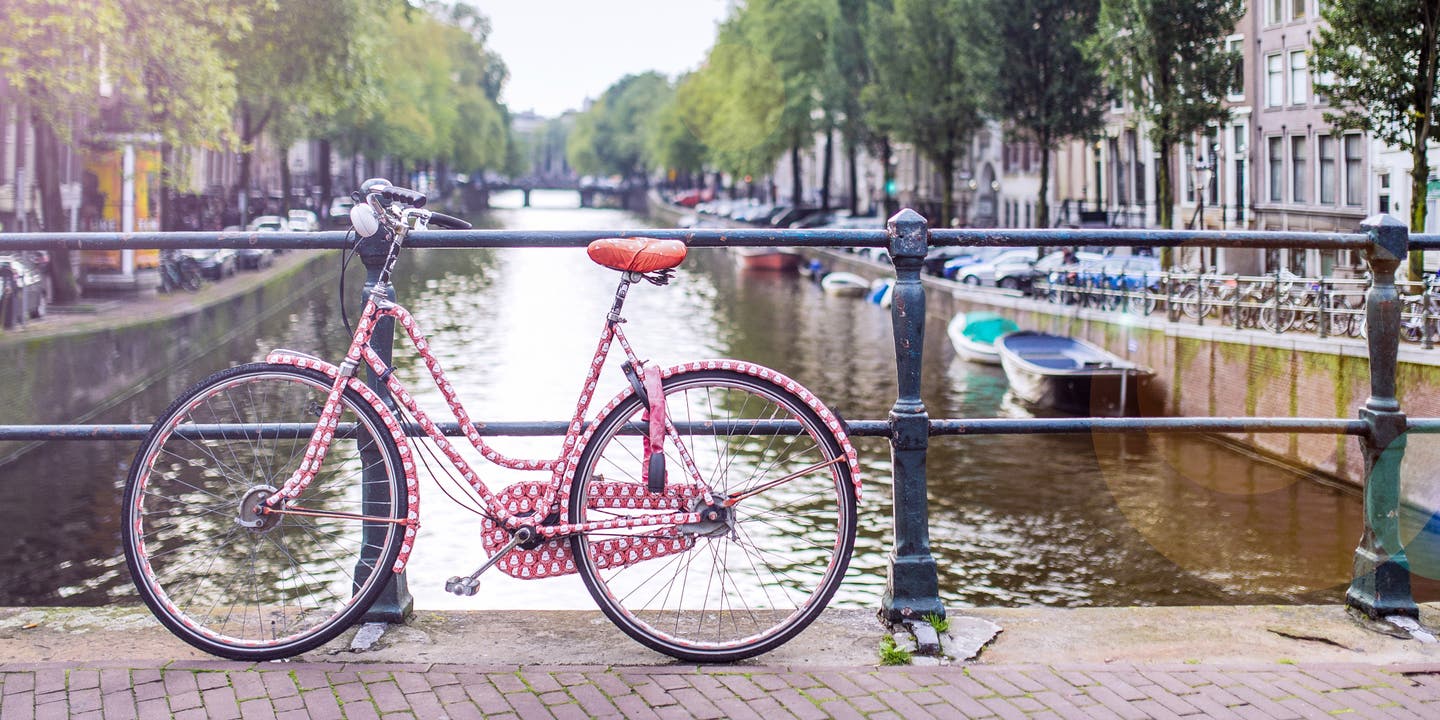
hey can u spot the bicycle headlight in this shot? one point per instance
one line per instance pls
(362, 216)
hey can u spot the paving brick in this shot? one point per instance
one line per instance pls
(387, 696)
(321, 704)
(799, 705)
(593, 700)
(279, 684)
(527, 706)
(220, 703)
(1262, 702)
(118, 705)
(998, 683)
(85, 700)
(185, 700)
(152, 709)
(256, 709)
(1002, 708)
(956, 697)
(634, 707)
(840, 710)
(1107, 697)
(82, 679)
(487, 699)
(359, 710)
(507, 682)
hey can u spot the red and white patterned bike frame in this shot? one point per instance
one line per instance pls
(514, 510)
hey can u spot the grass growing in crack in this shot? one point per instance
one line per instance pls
(892, 655)
(938, 621)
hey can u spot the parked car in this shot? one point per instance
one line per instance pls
(24, 293)
(303, 221)
(215, 264)
(339, 214)
(967, 256)
(1056, 269)
(984, 273)
(270, 223)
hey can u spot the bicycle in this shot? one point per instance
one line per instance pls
(178, 272)
(255, 529)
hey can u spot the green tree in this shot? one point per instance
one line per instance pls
(793, 36)
(1376, 60)
(168, 77)
(849, 71)
(609, 138)
(926, 88)
(733, 104)
(669, 142)
(1168, 57)
(295, 60)
(1047, 89)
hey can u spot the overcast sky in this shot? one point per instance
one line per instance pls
(562, 51)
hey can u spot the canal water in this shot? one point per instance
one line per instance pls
(1059, 520)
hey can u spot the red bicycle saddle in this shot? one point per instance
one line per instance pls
(640, 255)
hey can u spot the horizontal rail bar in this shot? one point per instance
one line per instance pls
(860, 428)
(717, 237)
(1141, 238)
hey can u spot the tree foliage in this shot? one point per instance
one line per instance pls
(1049, 90)
(1168, 58)
(609, 138)
(926, 88)
(1377, 61)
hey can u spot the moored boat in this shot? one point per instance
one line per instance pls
(769, 258)
(1070, 374)
(974, 333)
(844, 284)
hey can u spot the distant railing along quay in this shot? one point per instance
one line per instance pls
(1380, 585)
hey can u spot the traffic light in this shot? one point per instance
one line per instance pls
(890, 187)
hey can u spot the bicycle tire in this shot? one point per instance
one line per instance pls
(294, 582)
(723, 599)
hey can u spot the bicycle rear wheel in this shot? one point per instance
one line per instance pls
(223, 575)
(762, 570)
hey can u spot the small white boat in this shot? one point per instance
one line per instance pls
(844, 284)
(974, 333)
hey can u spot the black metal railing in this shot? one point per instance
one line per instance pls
(1380, 585)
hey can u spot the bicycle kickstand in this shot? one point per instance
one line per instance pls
(468, 586)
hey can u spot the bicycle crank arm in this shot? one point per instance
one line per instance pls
(468, 586)
(734, 499)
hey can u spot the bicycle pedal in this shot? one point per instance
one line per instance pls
(462, 586)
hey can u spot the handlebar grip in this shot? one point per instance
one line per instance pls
(409, 197)
(448, 222)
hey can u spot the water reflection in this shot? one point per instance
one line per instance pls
(1015, 520)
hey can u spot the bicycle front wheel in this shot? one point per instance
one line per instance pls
(219, 571)
(757, 573)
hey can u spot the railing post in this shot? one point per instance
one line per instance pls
(1381, 582)
(394, 603)
(912, 589)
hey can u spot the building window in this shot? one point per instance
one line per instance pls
(1299, 84)
(1297, 169)
(1274, 80)
(1235, 45)
(1276, 157)
(1274, 11)
(1297, 9)
(1325, 144)
(1354, 181)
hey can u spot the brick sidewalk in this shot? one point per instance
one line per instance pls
(426, 692)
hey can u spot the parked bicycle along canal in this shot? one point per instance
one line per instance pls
(1015, 520)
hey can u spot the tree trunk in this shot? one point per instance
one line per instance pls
(326, 184)
(47, 172)
(284, 157)
(851, 153)
(1042, 205)
(827, 168)
(1419, 175)
(796, 197)
(1164, 200)
(242, 183)
(167, 192)
(946, 163)
(887, 176)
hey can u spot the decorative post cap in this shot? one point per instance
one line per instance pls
(909, 234)
(1387, 234)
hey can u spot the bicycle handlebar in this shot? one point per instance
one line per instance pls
(404, 195)
(448, 222)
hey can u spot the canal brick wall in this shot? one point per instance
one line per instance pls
(1212, 370)
(78, 368)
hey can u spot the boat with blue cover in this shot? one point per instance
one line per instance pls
(974, 333)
